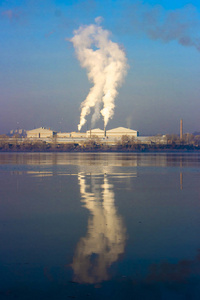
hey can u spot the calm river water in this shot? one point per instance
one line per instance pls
(99, 226)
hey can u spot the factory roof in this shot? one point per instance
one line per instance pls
(96, 130)
(121, 129)
(41, 129)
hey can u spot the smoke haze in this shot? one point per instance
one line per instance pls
(181, 25)
(106, 64)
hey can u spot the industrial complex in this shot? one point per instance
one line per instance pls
(110, 136)
(115, 139)
(92, 133)
(99, 136)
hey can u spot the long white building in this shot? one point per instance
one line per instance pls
(95, 133)
(120, 131)
(115, 133)
(41, 132)
(112, 134)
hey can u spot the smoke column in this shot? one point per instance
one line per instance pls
(106, 65)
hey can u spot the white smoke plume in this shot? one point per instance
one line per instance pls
(106, 64)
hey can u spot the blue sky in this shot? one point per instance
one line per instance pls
(42, 83)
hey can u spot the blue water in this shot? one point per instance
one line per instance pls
(99, 226)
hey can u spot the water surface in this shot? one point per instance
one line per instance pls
(99, 226)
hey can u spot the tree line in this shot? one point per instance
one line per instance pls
(125, 144)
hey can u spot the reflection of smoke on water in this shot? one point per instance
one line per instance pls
(106, 234)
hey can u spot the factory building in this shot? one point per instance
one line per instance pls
(115, 133)
(41, 132)
(112, 134)
(78, 134)
(63, 134)
(95, 133)
(120, 131)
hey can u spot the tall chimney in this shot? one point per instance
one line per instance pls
(104, 131)
(181, 129)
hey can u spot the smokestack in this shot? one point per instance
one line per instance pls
(181, 129)
(104, 131)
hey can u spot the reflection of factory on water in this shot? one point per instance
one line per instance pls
(112, 160)
(105, 163)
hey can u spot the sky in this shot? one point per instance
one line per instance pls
(43, 84)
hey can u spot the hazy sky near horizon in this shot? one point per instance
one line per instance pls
(43, 84)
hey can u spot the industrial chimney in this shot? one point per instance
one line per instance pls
(104, 131)
(181, 129)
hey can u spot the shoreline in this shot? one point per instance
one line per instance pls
(151, 151)
(93, 146)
